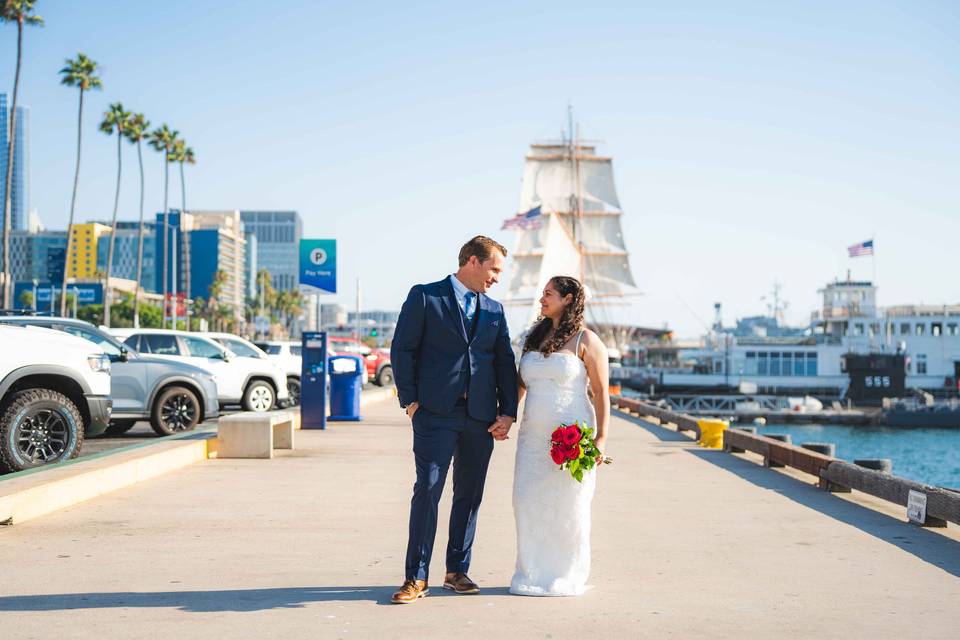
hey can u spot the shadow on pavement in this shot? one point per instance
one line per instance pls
(238, 600)
(928, 546)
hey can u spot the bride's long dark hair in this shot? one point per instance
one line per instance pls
(570, 322)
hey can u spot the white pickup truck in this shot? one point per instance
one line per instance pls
(54, 389)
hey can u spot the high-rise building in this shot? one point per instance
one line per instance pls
(204, 242)
(20, 202)
(84, 239)
(278, 244)
(37, 256)
(125, 244)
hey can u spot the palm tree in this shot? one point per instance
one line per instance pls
(215, 308)
(115, 119)
(182, 153)
(164, 139)
(135, 131)
(80, 73)
(20, 12)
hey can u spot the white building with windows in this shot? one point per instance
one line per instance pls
(849, 321)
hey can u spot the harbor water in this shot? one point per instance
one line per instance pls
(927, 455)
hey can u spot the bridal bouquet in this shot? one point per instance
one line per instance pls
(573, 447)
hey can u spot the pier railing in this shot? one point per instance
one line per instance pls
(939, 506)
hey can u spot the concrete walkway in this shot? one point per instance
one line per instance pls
(687, 544)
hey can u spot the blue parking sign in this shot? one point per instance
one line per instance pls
(318, 264)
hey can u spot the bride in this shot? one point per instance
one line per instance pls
(552, 510)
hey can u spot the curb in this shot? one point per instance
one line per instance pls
(37, 492)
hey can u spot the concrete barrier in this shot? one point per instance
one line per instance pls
(255, 434)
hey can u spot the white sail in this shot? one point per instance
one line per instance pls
(581, 233)
(551, 181)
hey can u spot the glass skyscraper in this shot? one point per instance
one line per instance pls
(20, 205)
(278, 244)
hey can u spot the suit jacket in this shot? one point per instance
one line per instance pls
(435, 359)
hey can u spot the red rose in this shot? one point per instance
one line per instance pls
(571, 435)
(558, 455)
(557, 435)
(573, 452)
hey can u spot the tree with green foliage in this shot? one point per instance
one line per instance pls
(19, 12)
(82, 74)
(115, 120)
(164, 139)
(135, 132)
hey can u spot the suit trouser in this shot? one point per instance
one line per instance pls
(436, 439)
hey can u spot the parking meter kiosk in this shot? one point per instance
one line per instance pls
(313, 381)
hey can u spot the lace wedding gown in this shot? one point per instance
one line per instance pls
(552, 510)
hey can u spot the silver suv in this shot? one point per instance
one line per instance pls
(173, 396)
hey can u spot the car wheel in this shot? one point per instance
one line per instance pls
(174, 411)
(385, 377)
(293, 389)
(119, 427)
(259, 396)
(39, 427)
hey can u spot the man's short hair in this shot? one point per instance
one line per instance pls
(482, 247)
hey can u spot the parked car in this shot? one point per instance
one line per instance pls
(256, 385)
(377, 360)
(173, 396)
(287, 354)
(246, 349)
(54, 390)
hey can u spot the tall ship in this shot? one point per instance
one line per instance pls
(575, 231)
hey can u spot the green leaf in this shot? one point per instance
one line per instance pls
(574, 465)
(578, 475)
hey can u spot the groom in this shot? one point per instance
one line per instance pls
(457, 380)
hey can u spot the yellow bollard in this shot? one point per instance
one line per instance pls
(711, 433)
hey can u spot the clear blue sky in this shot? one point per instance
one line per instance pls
(752, 142)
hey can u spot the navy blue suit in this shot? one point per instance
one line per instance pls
(463, 375)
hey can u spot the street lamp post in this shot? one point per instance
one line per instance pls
(35, 283)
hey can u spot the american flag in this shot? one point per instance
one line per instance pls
(860, 249)
(526, 220)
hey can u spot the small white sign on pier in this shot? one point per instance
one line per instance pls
(917, 507)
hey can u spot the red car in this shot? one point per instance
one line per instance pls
(377, 360)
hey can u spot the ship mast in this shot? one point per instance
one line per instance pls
(576, 193)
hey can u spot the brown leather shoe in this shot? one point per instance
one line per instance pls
(460, 583)
(410, 592)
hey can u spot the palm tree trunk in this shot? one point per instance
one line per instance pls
(136, 298)
(8, 195)
(166, 184)
(184, 245)
(113, 233)
(73, 206)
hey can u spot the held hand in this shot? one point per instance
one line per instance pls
(412, 409)
(500, 429)
(601, 444)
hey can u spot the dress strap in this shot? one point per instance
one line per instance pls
(576, 349)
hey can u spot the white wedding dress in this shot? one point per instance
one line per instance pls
(552, 510)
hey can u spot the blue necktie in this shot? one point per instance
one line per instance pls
(469, 300)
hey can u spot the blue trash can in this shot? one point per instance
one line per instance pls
(346, 382)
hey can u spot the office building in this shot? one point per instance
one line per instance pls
(84, 239)
(125, 245)
(278, 244)
(204, 242)
(20, 203)
(37, 256)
